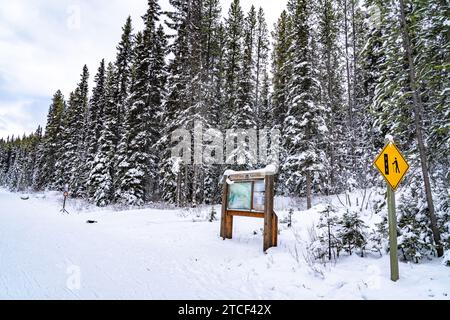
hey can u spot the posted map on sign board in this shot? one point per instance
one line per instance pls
(259, 193)
(240, 196)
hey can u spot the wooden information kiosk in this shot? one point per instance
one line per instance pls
(249, 194)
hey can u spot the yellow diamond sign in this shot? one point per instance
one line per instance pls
(392, 165)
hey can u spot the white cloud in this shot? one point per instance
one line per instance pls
(41, 51)
(15, 118)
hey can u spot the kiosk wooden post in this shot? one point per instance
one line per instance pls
(268, 213)
(270, 225)
(226, 225)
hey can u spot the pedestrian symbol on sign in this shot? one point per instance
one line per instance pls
(395, 163)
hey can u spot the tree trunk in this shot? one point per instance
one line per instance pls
(417, 100)
(355, 56)
(308, 190)
(258, 67)
(332, 120)
(354, 98)
(178, 190)
(349, 87)
(329, 238)
(194, 186)
(185, 195)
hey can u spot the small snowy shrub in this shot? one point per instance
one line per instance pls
(327, 245)
(379, 205)
(290, 214)
(288, 219)
(197, 214)
(318, 250)
(415, 238)
(353, 232)
(441, 189)
(342, 230)
(313, 253)
(414, 241)
(377, 241)
(443, 217)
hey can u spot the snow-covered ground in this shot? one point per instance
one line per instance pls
(176, 254)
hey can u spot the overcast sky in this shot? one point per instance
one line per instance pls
(45, 43)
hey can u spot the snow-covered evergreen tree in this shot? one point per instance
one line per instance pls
(213, 77)
(353, 232)
(328, 244)
(95, 121)
(244, 112)
(50, 149)
(131, 189)
(70, 167)
(281, 75)
(261, 48)
(101, 183)
(173, 187)
(233, 61)
(330, 77)
(122, 84)
(143, 115)
(305, 124)
(243, 115)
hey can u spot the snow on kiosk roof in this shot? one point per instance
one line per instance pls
(269, 170)
(250, 194)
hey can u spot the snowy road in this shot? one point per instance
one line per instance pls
(156, 254)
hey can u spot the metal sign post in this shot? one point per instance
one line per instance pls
(393, 167)
(66, 194)
(392, 217)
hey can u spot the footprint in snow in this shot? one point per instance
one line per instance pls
(339, 285)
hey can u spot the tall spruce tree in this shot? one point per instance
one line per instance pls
(95, 121)
(281, 75)
(173, 186)
(213, 76)
(101, 183)
(261, 74)
(244, 112)
(122, 84)
(50, 148)
(243, 116)
(280, 68)
(332, 92)
(233, 60)
(306, 117)
(142, 115)
(70, 167)
(132, 184)
(158, 91)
